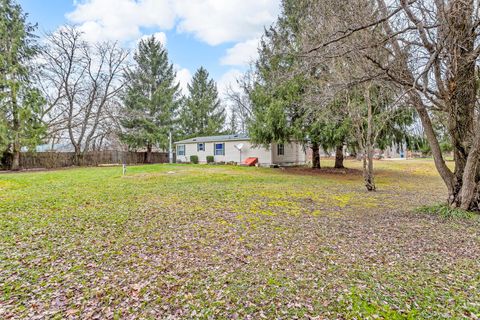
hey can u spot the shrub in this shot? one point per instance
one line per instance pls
(210, 159)
(446, 146)
(194, 159)
(445, 211)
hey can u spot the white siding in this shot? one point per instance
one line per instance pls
(293, 154)
(231, 153)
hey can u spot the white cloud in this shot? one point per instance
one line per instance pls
(159, 36)
(184, 76)
(211, 21)
(241, 54)
(240, 22)
(121, 19)
(228, 80)
(220, 21)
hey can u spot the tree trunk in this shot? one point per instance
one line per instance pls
(149, 154)
(368, 148)
(315, 156)
(470, 191)
(15, 165)
(15, 159)
(458, 91)
(77, 157)
(368, 175)
(339, 157)
(462, 91)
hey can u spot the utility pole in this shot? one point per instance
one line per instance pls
(170, 149)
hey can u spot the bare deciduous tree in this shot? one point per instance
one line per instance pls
(432, 49)
(81, 80)
(239, 100)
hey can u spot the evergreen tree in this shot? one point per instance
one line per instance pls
(337, 131)
(202, 113)
(3, 134)
(280, 110)
(151, 100)
(20, 103)
(286, 95)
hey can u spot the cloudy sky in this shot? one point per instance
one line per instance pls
(221, 35)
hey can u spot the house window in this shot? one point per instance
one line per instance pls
(219, 149)
(181, 150)
(280, 149)
(200, 146)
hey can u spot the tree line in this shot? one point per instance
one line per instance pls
(94, 95)
(366, 73)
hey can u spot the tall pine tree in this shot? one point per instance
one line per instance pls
(284, 96)
(202, 113)
(20, 102)
(151, 100)
(279, 99)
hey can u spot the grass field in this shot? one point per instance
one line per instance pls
(233, 242)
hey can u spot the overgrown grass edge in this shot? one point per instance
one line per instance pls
(447, 212)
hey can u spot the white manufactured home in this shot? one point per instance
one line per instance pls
(237, 148)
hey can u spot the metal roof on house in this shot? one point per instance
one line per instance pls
(229, 137)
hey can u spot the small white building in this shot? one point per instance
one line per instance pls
(236, 148)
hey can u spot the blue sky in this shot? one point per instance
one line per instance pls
(220, 35)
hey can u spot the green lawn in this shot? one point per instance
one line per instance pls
(234, 242)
